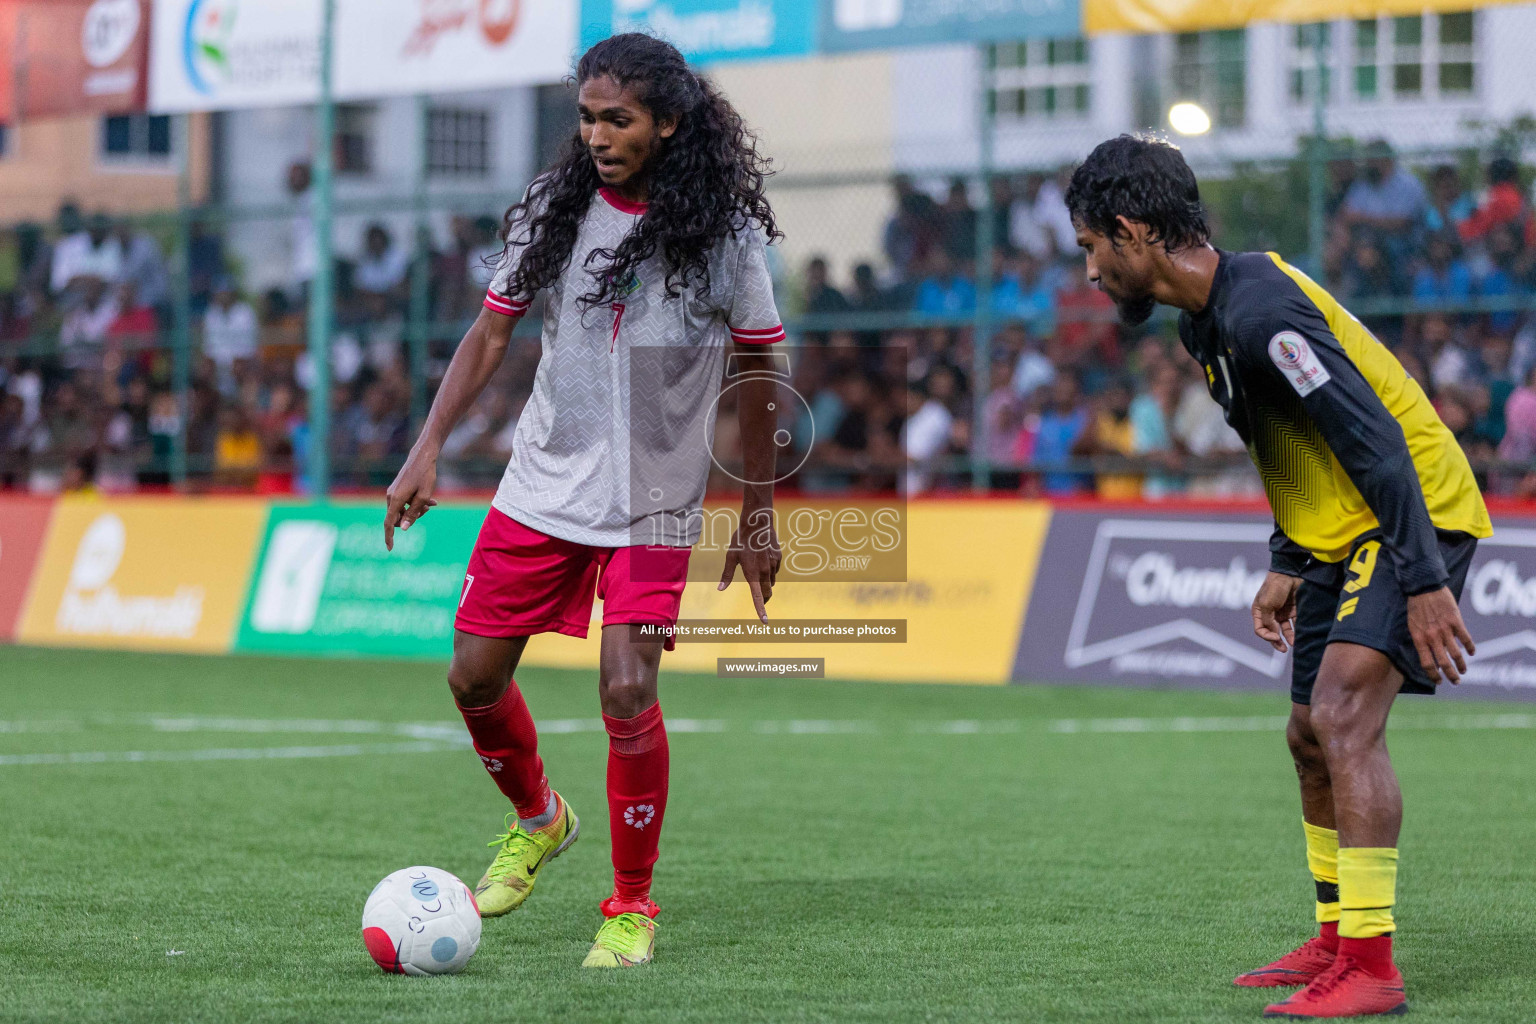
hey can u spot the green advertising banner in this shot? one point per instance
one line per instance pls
(325, 585)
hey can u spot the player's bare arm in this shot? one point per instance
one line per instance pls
(1439, 633)
(474, 363)
(1274, 610)
(755, 544)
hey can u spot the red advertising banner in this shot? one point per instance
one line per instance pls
(62, 57)
(23, 522)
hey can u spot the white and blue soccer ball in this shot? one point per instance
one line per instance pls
(421, 921)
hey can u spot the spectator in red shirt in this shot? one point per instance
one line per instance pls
(1504, 204)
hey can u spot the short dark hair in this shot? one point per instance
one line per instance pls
(1142, 178)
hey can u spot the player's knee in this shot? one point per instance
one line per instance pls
(1341, 728)
(1305, 749)
(626, 694)
(473, 685)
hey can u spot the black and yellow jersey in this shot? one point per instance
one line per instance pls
(1344, 440)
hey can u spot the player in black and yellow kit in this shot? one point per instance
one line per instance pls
(1376, 518)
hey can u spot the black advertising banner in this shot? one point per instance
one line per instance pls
(1159, 598)
(1499, 605)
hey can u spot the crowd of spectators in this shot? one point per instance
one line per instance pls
(1072, 402)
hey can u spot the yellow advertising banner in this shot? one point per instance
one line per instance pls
(1195, 15)
(970, 567)
(147, 573)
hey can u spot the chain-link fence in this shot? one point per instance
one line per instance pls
(947, 337)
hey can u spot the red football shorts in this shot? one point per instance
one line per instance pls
(520, 582)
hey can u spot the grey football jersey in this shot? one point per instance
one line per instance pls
(613, 447)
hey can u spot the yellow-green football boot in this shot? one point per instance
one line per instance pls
(509, 879)
(627, 940)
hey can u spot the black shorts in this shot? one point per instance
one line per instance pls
(1366, 606)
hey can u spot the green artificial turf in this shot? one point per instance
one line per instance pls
(833, 851)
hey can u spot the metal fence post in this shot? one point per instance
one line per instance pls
(181, 300)
(981, 344)
(1316, 157)
(322, 297)
(420, 314)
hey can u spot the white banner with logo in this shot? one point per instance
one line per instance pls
(390, 47)
(224, 54)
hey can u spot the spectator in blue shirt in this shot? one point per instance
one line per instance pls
(1443, 276)
(1386, 199)
(944, 290)
(1449, 201)
(1062, 423)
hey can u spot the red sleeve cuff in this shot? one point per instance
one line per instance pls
(766, 336)
(505, 306)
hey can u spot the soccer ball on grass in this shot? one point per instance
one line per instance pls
(421, 921)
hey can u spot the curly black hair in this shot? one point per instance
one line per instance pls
(707, 181)
(1142, 178)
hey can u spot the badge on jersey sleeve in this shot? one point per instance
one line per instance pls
(1296, 360)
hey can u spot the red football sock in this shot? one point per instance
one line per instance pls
(1374, 954)
(507, 742)
(1328, 932)
(637, 799)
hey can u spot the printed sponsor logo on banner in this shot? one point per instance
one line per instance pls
(216, 54)
(109, 29)
(1499, 601)
(496, 20)
(747, 26)
(293, 576)
(92, 605)
(1200, 569)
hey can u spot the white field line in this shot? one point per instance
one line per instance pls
(448, 737)
(223, 754)
(26, 725)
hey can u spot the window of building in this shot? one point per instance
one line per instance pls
(136, 137)
(1210, 68)
(355, 124)
(458, 142)
(1305, 42)
(1040, 79)
(1418, 57)
(1385, 60)
(556, 121)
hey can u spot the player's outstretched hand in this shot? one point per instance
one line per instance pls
(410, 496)
(1439, 634)
(758, 555)
(1274, 610)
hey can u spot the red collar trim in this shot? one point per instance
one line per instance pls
(619, 203)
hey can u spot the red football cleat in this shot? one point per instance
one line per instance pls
(1346, 989)
(1298, 967)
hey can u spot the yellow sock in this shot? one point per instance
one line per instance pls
(1368, 888)
(1323, 859)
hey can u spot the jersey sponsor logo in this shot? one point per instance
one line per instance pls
(1295, 359)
